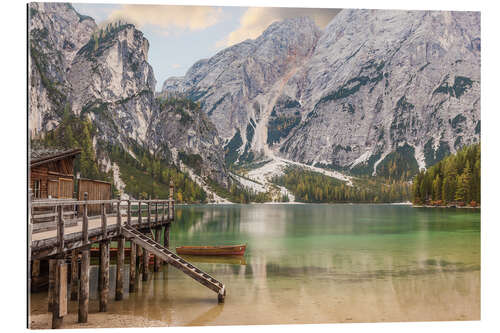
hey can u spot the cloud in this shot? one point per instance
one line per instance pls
(168, 17)
(176, 66)
(255, 20)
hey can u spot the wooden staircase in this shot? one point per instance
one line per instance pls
(165, 254)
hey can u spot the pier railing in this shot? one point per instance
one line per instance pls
(59, 215)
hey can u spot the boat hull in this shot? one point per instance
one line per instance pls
(226, 250)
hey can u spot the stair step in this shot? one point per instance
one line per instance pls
(192, 270)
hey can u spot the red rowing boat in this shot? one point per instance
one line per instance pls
(223, 250)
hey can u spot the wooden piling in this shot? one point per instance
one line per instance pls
(120, 257)
(83, 299)
(139, 216)
(157, 259)
(52, 280)
(104, 276)
(145, 265)
(171, 201)
(166, 235)
(133, 263)
(104, 265)
(35, 268)
(74, 275)
(59, 306)
(149, 215)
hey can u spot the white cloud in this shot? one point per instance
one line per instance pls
(168, 17)
(255, 20)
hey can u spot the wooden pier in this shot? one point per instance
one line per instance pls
(119, 220)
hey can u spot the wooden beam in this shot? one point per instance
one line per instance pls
(52, 282)
(139, 216)
(35, 269)
(133, 263)
(166, 236)
(129, 213)
(104, 276)
(120, 257)
(59, 306)
(60, 229)
(157, 261)
(83, 300)
(74, 275)
(145, 265)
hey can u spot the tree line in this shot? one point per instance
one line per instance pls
(314, 187)
(454, 180)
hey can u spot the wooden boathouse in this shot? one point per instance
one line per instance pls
(68, 235)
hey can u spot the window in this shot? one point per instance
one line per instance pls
(36, 188)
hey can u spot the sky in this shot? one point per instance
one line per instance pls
(181, 35)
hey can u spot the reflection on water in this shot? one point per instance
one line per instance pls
(317, 264)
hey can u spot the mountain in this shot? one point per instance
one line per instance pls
(105, 78)
(56, 33)
(374, 89)
(239, 85)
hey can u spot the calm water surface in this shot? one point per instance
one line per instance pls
(317, 264)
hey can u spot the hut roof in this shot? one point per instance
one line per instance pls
(41, 155)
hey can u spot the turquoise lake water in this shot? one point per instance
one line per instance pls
(316, 263)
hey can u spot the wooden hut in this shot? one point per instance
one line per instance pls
(51, 172)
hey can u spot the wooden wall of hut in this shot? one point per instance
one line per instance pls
(53, 179)
(97, 190)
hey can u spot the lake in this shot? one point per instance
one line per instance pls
(315, 263)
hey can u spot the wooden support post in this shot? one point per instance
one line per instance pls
(120, 258)
(171, 202)
(133, 263)
(156, 214)
(104, 276)
(145, 265)
(157, 259)
(166, 235)
(35, 269)
(163, 212)
(139, 217)
(60, 305)
(60, 230)
(52, 281)
(129, 213)
(83, 299)
(74, 275)
(104, 221)
(149, 215)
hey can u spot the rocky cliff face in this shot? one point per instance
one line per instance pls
(238, 86)
(103, 74)
(113, 83)
(374, 82)
(56, 33)
(192, 139)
